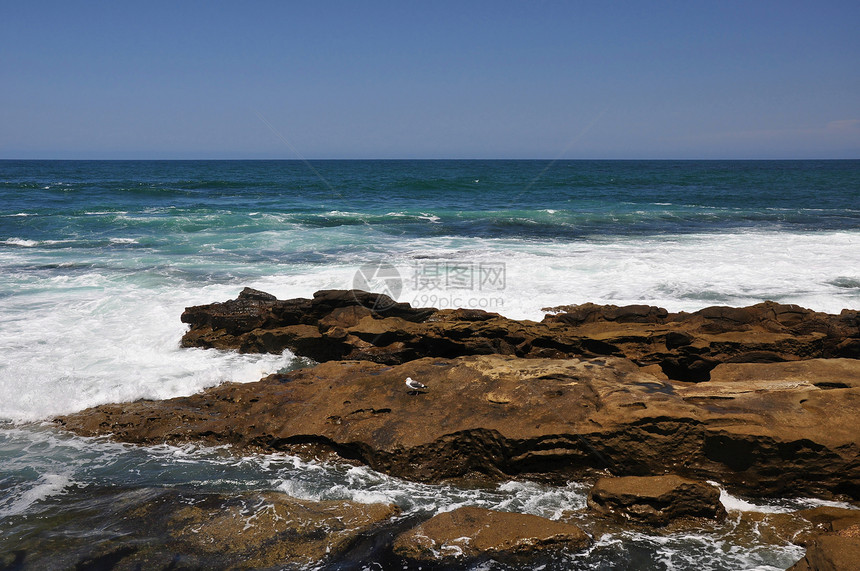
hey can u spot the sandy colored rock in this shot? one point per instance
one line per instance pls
(830, 552)
(655, 500)
(473, 532)
(501, 416)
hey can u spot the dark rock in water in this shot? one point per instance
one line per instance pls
(257, 322)
(262, 530)
(760, 428)
(352, 324)
(470, 533)
(655, 500)
(187, 529)
(255, 294)
(591, 313)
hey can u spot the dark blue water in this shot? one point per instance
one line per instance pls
(494, 199)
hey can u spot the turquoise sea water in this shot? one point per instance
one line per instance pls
(99, 258)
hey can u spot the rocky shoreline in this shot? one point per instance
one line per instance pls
(761, 399)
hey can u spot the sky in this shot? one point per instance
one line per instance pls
(435, 79)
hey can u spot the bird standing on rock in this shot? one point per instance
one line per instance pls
(415, 386)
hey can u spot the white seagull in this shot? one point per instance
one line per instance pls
(415, 385)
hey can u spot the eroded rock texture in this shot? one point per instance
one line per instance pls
(769, 428)
(351, 324)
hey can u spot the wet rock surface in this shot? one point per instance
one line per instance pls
(155, 528)
(656, 500)
(471, 533)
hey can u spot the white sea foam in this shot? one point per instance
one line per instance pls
(21, 242)
(546, 501)
(86, 341)
(735, 504)
(680, 272)
(123, 241)
(46, 486)
(429, 217)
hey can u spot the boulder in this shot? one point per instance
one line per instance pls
(470, 533)
(656, 500)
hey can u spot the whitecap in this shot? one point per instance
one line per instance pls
(736, 504)
(21, 242)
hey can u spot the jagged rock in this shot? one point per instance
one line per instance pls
(591, 313)
(185, 529)
(472, 532)
(257, 322)
(255, 294)
(763, 429)
(351, 324)
(688, 346)
(656, 500)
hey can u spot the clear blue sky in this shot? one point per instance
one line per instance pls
(434, 79)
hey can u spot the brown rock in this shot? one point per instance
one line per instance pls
(129, 530)
(831, 519)
(257, 322)
(472, 532)
(759, 428)
(351, 324)
(655, 500)
(830, 552)
(591, 313)
(268, 529)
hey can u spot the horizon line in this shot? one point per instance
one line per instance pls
(555, 159)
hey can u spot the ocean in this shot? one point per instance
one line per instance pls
(99, 259)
